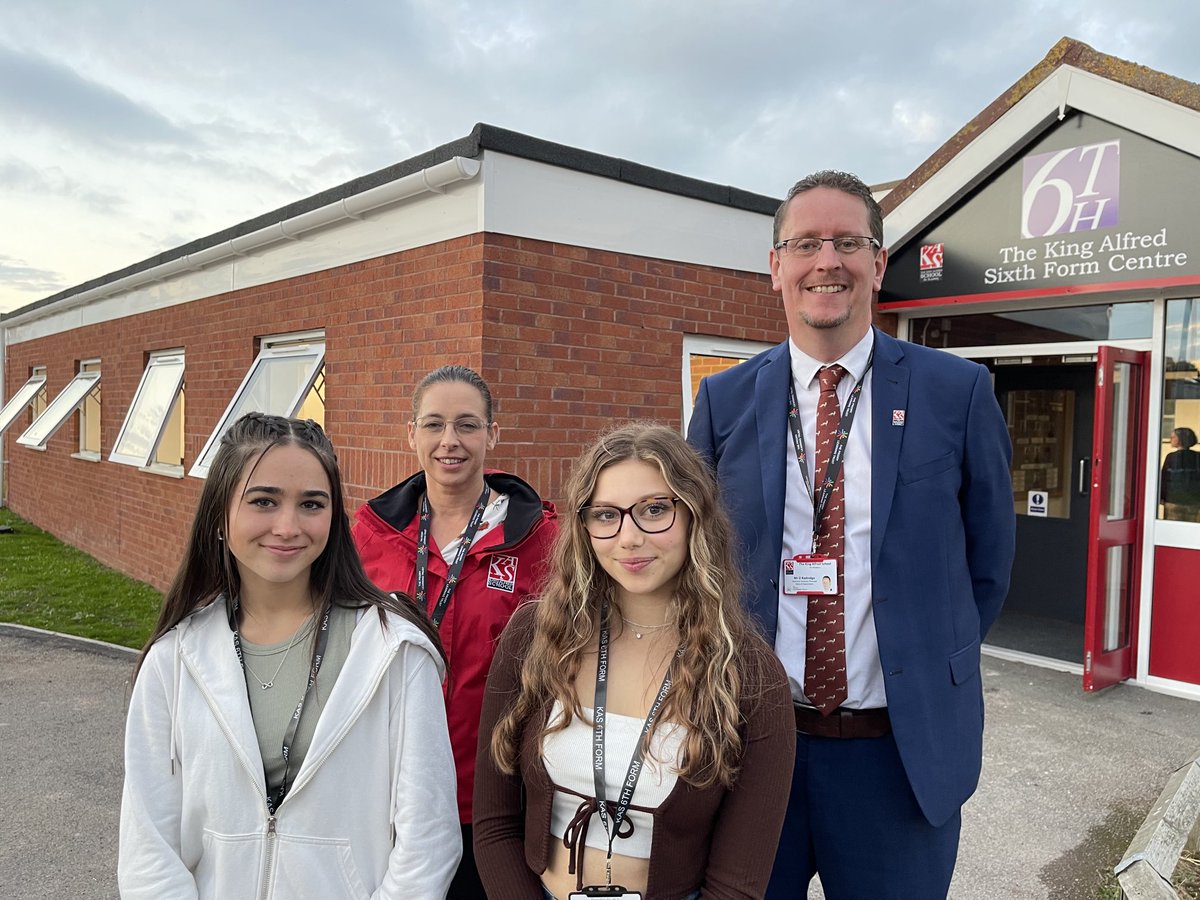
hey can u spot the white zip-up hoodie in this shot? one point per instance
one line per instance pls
(371, 813)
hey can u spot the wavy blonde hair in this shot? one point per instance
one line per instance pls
(708, 674)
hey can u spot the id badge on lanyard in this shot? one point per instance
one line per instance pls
(611, 891)
(810, 573)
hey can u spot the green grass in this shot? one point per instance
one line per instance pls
(46, 584)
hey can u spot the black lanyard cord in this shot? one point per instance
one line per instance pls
(468, 535)
(635, 763)
(275, 797)
(821, 500)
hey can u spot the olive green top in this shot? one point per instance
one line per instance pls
(272, 708)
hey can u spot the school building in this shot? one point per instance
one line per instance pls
(1049, 239)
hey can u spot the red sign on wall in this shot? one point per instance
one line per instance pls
(931, 256)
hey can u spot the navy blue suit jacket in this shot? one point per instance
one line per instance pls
(942, 535)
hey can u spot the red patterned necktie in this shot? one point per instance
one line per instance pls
(825, 641)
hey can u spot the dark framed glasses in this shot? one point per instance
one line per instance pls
(652, 516)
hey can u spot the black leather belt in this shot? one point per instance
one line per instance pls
(842, 723)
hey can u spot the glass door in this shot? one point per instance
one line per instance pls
(1115, 526)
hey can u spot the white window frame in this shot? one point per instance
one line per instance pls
(90, 365)
(706, 345)
(22, 399)
(309, 344)
(159, 361)
(60, 409)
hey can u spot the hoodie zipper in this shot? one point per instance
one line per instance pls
(269, 859)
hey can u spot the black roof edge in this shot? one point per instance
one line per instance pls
(482, 137)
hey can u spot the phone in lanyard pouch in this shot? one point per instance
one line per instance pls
(608, 891)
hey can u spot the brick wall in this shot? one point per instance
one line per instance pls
(571, 341)
(577, 340)
(384, 320)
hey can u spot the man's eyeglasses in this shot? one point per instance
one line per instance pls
(652, 516)
(464, 427)
(810, 246)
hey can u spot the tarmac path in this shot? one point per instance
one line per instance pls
(1067, 777)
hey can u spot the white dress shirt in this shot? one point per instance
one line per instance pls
(864, 674)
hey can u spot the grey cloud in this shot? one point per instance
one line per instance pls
(279, 102)
(20, 177)
(15, 274)
(37, 91)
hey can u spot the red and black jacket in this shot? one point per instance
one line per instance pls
(502, 568)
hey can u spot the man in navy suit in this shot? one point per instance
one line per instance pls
(925, 523)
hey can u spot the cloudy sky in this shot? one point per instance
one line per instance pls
(128, 128)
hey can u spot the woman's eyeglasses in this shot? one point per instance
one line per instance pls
(653, 516)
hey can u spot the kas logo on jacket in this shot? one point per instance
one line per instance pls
(502, 573)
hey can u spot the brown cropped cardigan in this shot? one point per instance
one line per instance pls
(719, 840)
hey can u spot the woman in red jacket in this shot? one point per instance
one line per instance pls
(469, 544)
(635, 731)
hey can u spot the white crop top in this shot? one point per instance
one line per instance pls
(567, 755)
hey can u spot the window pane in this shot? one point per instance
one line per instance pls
(702, 365)
(1119, 321)
(279, 382)
(152, 405)
(21, 399)
(1179, 482)
(59, 410)
(170, 446)
(1124, 418)
(1116, 598)
(89, 414)
(313, 406)
(42, 400)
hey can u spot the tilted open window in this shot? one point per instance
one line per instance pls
(25, 397)
(60, 409)
(285, 379)
(155, 419)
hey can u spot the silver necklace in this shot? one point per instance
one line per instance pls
(638, 629)
(267, 685)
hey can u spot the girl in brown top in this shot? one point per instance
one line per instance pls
(635, 731)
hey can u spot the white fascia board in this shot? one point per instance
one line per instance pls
(1065, 89)
(524, 198)
(435, 204)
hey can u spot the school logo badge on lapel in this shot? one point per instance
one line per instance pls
(502, 573)
(898, 418)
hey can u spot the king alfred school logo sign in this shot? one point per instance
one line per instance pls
(1083, 214)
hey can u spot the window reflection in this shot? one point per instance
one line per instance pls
(1112, 322)
(1179, 483)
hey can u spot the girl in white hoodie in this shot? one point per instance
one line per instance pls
(286, 734)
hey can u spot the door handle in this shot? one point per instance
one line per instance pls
(1083, 480)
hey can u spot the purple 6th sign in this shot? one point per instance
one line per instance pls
(1077, 189)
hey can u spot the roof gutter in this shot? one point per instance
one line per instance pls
(434, 179)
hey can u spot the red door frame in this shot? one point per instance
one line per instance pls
(1103, 668)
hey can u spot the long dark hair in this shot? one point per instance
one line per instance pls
(208, 569)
